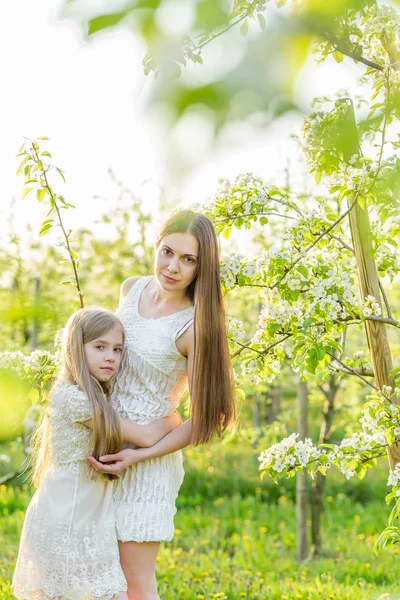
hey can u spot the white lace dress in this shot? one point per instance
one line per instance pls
(69, 546)
(148, 388)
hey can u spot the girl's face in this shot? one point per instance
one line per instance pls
(176, 261)
(103, 354)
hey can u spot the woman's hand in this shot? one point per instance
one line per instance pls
(120, 461)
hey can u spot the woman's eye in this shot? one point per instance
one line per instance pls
(100, 347)
(165, 251)
(118, 349)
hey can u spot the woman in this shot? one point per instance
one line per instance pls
(175, 330)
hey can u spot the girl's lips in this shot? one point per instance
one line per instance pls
(106, 368)
(169, 279)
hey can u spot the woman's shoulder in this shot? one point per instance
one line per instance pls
(128, 285)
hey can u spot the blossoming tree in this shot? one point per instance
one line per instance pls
(342, 239)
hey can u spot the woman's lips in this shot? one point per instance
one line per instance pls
(169, 279)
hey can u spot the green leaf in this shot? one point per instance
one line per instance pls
(46, 154)
(362, 202)
(261, 21)
(244, 28)
(196, 58)
(104, 21)
(25, 192)
(318, 176)
(61, 173)
(22, 165)
(41, 194)
(44, 229)
(240, 393)
(302, 269)
(338, 56)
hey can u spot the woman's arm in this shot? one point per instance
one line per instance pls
(146, 435)
(176, 440)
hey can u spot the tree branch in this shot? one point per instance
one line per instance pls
(353, 372)
(361, 371)
(321, 235)
(73, 261)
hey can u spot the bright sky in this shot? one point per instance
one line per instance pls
(90, 98)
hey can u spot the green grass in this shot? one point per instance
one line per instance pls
(235, 537)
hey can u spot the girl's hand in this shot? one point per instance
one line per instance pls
(121, 461)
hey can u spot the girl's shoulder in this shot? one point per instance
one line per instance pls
(68, 397)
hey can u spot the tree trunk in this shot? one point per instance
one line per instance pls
(274, 407)
(257, 413)
(301, 481)
(319, 481)
(369, 285)
(368, 277)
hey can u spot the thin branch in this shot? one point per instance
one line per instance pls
(386, 301)
(239, 216)
(358, 57)
(353, 372)
(344, 244)
(361, 371)
(262, 352)
(62, 228)
(386, 320)
(214, 37)
(321, 235)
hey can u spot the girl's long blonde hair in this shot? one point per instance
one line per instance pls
(212, 388)
(83, 326)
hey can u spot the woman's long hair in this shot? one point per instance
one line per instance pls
(83, 326)
(212, 388)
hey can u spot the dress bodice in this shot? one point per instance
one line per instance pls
(153, 371)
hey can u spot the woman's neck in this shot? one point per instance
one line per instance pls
(160, 297)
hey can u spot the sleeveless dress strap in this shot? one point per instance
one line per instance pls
(181, 330)
(137, 287)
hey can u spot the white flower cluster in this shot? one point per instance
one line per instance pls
(291, 453)
(236, 328)
(356, 178)
(387, 260)
(288, 453)
(371, 307)
(231, 268)
(277, 310)
(394, 477)
(381, 18)
(265, 369)
(28, 366)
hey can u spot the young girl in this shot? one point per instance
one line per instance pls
(69, 545)
(175, 328)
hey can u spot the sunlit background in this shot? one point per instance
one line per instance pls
(91, 98)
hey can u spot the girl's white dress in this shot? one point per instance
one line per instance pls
(69, 546)
(147, 388)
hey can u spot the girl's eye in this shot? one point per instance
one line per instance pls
(166, 251)
(189, 259)
(118, 349)
(100, 347)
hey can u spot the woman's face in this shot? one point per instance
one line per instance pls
(176, 261)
